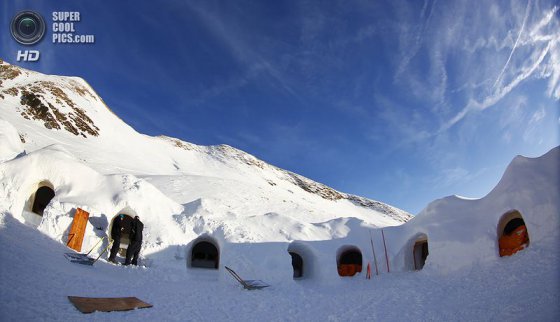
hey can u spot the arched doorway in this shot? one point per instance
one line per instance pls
(43, 196)
(39, 199)
(126, 225)
(512, 233)
(420, 252)
(297, 264)
(205, 254)
(303, 259)
(349, 261)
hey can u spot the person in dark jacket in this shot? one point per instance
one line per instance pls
(116, 232)
(135, 242)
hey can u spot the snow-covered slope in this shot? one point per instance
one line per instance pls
(56, 132)
(65, 110)
(71, 142)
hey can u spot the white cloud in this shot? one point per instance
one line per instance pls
(411, 36)
(456, 176)
(507, 136)
(539, 52)
(463, 57)
(514, 115)
(532, 133)
(233, 37)
(538, 116)
(527, 10)
(452, 176)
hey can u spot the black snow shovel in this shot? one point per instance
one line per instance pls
(247, 284)
(84, 259)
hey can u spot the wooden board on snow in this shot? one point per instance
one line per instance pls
(77, 230)
(107, 304)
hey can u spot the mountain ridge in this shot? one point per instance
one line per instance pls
(71, 105)
(303, 182)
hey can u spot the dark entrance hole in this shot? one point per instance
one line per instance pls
(297, 264)
(512, 225)
(43, 196)
(205, 255)
(420, 253)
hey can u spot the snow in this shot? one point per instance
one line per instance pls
(11, 143)
(522, 287)
(255, 214)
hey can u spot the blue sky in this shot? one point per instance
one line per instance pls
(399, 101)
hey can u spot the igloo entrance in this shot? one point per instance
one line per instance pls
(420, 252)
(349, 261)
(43, 196)
(37, 202)
(512, 233)
(303, 261)
(205, 254)
(297, 264)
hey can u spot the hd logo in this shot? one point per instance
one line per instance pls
(28, 28)
(28, 55)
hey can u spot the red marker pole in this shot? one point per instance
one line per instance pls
(373, 250)
(385, 246)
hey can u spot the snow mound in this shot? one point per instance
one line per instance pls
(10, 142)
(464, 232)
(76, 185)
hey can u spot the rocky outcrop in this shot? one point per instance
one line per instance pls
(49, 102)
